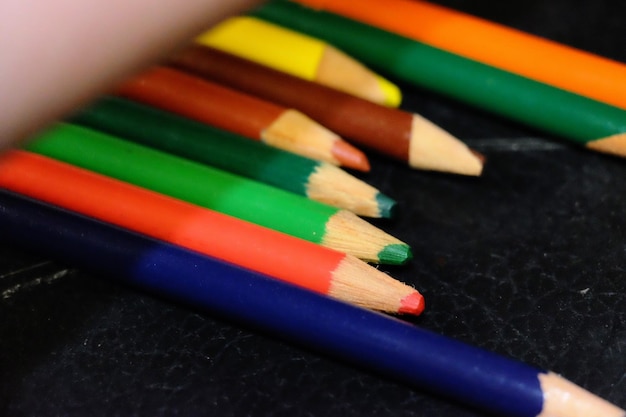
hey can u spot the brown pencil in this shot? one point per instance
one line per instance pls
(397, 133)
(249, 116)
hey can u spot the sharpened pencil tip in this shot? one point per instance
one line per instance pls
(349, 156)
(395, 254)
(391, 92)
(613, 145)
(412, 304)
(480, 156)
(433, 148)
(564, 398)
(386, 205)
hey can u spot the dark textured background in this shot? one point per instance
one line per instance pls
(526, 261)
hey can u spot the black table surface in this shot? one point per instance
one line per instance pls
(527, 261)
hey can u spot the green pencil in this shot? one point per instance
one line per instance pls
(220, 191)
(587, 122)
(184, 137)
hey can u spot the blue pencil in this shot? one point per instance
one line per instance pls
(370, 340)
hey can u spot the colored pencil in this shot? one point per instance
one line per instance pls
(233, 153)
(223, 237)
(593, 124)
(376, 342)
(396, 133)
(299, 55)
(220, 191)
(491, 43)
(248, 116)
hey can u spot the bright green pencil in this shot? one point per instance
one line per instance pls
(184, 137)
(220, 191)
(587, 122)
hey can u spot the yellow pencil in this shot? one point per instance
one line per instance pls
(299, 55)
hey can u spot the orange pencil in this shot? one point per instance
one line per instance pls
(250, 246)
(249, 116)
(491, 43)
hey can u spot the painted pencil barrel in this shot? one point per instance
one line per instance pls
(182, 94)
(184, 179)
(193, 140)
(553, 110)
(166, 218)
(233, 35)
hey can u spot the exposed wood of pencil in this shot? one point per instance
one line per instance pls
(564, 398)
(334, 186)
(295, 132)
(345, 232)
(614, 145)
(400, 134)
(249, 116)
(225, 150)
(354, 281)
(343, 73)
(211, 233)
(299, 55)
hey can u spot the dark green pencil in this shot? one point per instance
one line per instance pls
(221, 191)
(184, 137)
(595, 125)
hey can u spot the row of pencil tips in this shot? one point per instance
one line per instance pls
(193, 112)
(168, 155)
(226, 160)
(187, 137)
(220, 170)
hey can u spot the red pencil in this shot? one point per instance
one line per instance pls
(253, 247)
(237, 112)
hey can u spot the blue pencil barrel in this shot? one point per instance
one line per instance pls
(370, 340)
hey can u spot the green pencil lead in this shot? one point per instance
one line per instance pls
(386, 205)
(395, 254)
